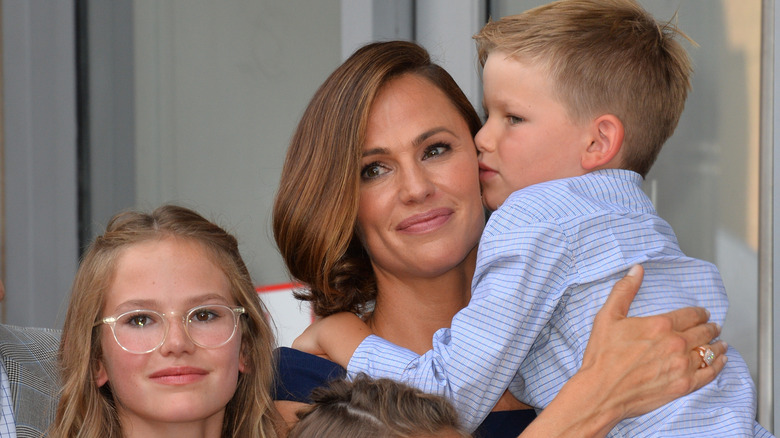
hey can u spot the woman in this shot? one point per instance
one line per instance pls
(164, 308)
(379, 205)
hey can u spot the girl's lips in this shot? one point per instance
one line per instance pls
(424, 222)
(178, 375)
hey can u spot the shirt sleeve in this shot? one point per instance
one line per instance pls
(520, 276)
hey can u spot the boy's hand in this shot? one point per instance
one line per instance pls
(334, 337)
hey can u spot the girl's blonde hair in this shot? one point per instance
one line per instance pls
(85, 410)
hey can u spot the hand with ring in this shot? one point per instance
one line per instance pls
(707, 355)
(633, 365)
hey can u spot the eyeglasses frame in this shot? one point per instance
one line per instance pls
(111, 321)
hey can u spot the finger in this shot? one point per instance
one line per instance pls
(687, 317)
(696, 361)
(623, 292)
(706, 375)
(701, 334)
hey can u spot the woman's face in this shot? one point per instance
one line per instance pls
(179, 382)
(420, 210)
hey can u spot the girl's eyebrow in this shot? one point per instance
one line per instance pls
(208, 297)
(155, 305)
(416, 142)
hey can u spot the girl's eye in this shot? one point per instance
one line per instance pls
(139, 320)
(372, 171)
(514, 120)
(436, 150)
(203, 315)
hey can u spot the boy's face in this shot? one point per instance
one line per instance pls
(528, 136)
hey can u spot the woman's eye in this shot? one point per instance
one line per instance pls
(436, 150)
(372, 170)
(514, 120)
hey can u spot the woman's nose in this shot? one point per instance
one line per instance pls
(416, 185)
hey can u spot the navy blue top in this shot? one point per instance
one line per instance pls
(299, 373)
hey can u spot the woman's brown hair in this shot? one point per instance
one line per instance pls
(315, 211)
(84, 409)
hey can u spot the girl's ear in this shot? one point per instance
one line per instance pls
(101, 376)
(242, 355)
(242, 363)
(606, 143)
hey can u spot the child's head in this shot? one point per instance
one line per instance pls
(380, 408)
(166, 262)
(602, 57)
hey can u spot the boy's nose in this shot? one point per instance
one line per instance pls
(483, 139)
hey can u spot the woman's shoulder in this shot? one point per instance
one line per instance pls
(505, 424)
(298, 373)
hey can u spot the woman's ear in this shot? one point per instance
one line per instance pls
(607, 140)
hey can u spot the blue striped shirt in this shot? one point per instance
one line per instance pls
(547, 260)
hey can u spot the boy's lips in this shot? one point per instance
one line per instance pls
(486, 172)
(425, 221)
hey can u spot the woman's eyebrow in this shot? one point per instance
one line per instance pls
(430, 133)
(375, 151)
(416, 142)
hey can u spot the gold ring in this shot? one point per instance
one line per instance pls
(707, 355)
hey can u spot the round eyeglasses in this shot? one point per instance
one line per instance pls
(143, 331)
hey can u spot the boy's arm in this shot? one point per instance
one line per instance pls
(521, 272)
(520, 276)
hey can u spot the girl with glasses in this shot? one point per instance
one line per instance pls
(165, 335)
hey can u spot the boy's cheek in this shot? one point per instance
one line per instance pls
(492, 196)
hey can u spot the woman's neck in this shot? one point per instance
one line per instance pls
(408, 311)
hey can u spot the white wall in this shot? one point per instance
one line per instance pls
(39, 170)
(220, 87)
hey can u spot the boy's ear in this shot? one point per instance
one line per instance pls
(606, 142)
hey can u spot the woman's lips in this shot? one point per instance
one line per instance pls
(179, 375)
(425, 222)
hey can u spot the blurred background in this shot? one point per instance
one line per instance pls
(132, 103)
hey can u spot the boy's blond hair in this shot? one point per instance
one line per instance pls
(604, 57)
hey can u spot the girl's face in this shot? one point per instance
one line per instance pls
(420, 210)
(179, 382)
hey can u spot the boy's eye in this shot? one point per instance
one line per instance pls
(436, 150)
(372, 170)
(514, 120)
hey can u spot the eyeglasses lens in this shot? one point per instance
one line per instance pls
(142, 331)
